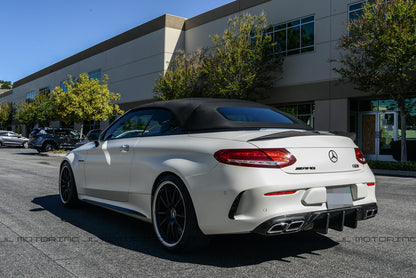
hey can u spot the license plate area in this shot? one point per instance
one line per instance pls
(338, 197)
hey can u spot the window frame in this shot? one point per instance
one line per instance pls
(105, 134)
(285, 26)
(30, 96)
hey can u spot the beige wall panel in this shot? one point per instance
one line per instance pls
(284, 10)
(136, 69)
(331, 115)
(199, 36)
(92, 63)
(148, 45)
(322, 30)
(134, 89)
(339, 25)
(174, 40)
(307, 67)
(339, 111)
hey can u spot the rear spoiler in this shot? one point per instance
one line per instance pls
(296, 133)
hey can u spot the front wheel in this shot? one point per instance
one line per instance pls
(173, 215)
(67, 187)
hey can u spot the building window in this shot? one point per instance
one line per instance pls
(355, 10)
(95, 74)
(45, 91)
(294, 37)
(30, 96)
(63, 86)
(303, 112)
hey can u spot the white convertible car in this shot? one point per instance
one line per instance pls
(197, 167)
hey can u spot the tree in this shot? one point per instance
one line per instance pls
(183, 77)
(40, 110)
(85, 100)
(240, 65)
(26, 114)
(6, 114)
(380, 55)
(6, 84)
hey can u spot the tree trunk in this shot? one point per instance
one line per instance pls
(82, 130)
(403, 137)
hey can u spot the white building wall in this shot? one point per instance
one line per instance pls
(330, 19)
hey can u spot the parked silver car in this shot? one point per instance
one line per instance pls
(10, 138)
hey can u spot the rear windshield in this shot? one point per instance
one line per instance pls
(252, 114)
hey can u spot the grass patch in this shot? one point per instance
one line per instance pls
(389, 165)
(60, 151)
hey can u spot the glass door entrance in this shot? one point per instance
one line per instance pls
(378, 131)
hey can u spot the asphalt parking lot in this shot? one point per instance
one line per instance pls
(39, 238)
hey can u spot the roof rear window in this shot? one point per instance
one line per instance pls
(253, 114)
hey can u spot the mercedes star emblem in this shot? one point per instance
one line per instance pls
(333, 156)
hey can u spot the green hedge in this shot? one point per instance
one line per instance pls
(388, 165)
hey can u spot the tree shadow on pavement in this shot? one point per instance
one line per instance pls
(222, 251)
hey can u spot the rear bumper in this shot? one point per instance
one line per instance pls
(34, 146)
(319, 221)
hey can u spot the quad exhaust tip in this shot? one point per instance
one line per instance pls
(370, 213)
(284, 227)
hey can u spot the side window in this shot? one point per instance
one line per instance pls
(130, 125)
(162, 123)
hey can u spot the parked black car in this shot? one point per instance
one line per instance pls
(46, 139)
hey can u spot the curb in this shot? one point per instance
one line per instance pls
(51, 154)
(396, 173)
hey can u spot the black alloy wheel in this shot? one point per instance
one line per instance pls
(173, 215)
(67, 188)
(48, 147)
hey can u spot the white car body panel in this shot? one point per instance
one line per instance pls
(122, 174)
(214, 186)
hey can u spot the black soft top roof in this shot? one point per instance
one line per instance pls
(201, 114)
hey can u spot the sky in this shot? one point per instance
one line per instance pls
(39, 33)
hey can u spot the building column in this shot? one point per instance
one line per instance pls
(332, 115)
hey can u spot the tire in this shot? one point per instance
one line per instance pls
(48, 147)
(173, 215)
(67, 187)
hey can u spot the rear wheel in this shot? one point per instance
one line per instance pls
(67, 187)
(48, 147)
(173, 215)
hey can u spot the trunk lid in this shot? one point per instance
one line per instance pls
(314, 153)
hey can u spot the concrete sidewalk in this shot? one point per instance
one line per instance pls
(395, 173)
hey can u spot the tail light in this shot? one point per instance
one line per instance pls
(264, 158)
(371, 183)
(34, 136)
(360, 156)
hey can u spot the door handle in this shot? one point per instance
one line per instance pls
(125, 148)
